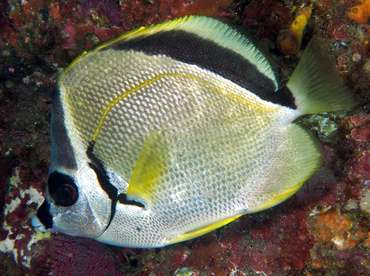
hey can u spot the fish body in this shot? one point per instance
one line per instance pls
(173, 130)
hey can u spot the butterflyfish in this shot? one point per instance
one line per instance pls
(170, 131)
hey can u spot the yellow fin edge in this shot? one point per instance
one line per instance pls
(150, 29)
(203, 230)
(279, 198)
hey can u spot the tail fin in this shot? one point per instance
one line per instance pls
(315, 82)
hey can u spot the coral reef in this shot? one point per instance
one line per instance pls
(322, 230)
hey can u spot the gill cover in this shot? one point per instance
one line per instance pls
(73, 188)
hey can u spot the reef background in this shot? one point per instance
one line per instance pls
(322, 230)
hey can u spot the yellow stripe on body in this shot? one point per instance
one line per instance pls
(175, 75)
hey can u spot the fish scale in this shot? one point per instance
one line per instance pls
(107, 124)
(216, 192)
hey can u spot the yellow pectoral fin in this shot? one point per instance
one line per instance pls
(152, 161)
(203, 230)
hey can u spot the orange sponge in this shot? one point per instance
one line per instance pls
(289, 40)
(360, 13)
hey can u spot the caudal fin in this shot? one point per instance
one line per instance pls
(315, 82)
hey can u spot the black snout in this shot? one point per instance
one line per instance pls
(44, 216)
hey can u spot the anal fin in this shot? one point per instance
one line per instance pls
(297, 158)
(204, 230)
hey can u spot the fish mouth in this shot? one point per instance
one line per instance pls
(43, 219)
(37, 225)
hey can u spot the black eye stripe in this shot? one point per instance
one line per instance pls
(62, 189)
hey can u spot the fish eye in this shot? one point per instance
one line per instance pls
(65, 195)
(62, 189)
